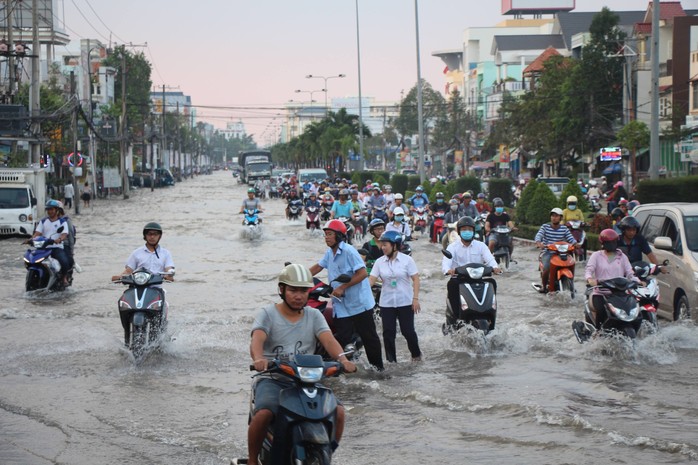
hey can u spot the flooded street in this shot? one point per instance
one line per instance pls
(529, 394)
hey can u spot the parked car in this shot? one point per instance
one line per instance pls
(672, 230)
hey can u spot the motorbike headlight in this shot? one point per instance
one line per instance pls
(40, 260)
(141, 278)
(463, 303)
(39, 244)
(310, 374)
(475, 273)
(563, 248)
(623, 315)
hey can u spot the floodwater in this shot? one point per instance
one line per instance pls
(528, 394)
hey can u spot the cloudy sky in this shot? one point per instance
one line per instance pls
(250, 56)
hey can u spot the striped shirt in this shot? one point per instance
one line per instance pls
(548, 235)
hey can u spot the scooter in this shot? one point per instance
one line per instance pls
(294, 209)
(304, 428)
(478, 298)
(420, 219)
(312, 220)
(502, 252)
(450, 237)
(143, 310)
(561, 276)
(326, 212)
(379, 213)
(350, 228)
(438, 226)
(43, 271)
(595, 203)
(647, 294)
(621, 308)
(480, 226)
(577, 228)
(252, 223)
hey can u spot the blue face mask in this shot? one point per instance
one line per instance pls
(399, 218)
(499, 209)
(467, 235)
(439, 200)
(572, 206)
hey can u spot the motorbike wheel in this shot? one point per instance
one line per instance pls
(629, 332)
(482, 325)
(682, 309)
(32, 281)
(139, 340)
(566, 285)
(316, 454)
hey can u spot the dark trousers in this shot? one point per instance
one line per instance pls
(453, 288)
(390, 316)
(63, 259)
(68, 201)
(365, 326)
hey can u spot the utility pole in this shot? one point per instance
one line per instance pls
(34, 95)
(123, 135)
(179, 142)
(74, 131)
(420, 113)
(655, 156)
(10, 58)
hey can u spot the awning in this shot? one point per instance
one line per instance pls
(481, 165)
(612, 169)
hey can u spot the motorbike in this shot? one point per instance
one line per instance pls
(43, 271)
(577, 228)
(450, 236)
(379, 212)
(502, 252)
(420, 219)
(252, 223)
(295, 207)
(647, 294)
(312, 220)
(303, 430)
(143, 310)
(561, 276)
(438, 226)
(359, 232)
(595, 203)
(350, 228)
(478, 297)
(480, 226)
(326, 212)
(621, 308)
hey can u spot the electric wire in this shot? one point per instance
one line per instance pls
(88, 21)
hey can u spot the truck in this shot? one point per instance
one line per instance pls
(22, 199)
(255, 165)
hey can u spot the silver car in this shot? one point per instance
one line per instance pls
(672, 230)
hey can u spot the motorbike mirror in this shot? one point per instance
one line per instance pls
(665, 263)
(446, 253)
(343, 278)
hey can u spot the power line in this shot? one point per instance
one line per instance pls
(103, 24)
(88, 21)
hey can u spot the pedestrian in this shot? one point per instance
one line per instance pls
(399, 299)
(68, 194)
(352, 302)
(86, 195)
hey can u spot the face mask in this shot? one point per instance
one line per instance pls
(610, 246)
(454, 208)
(439, 200)
(467, 235)
(399, 218)
(499, 209)
(572, 206)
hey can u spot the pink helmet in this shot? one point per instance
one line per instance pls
(618, 184)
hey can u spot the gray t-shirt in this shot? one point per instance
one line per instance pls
(253, 204)
(285, 338)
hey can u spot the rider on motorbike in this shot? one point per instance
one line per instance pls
(283, 329)
(399, 224)
(439, 205)
(498, 218)
(571, 213)
(399, 199)
(633, 244)
(357, 206)
(465, 251)
(377, 200)
(376, 228)
(153, 257)
(251, 203)
(292, 199)
(548, 234)
(54, 227)
(419, 199)
(312, 201)
(388, 194)
(468, 207)
(604, 264)
(482, 205)
(342, 207)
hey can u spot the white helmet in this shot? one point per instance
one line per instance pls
(398, 211)
(398, 196)
(571, 198)
(557, 211)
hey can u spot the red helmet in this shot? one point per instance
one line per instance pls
(608, 235)
(336, 226)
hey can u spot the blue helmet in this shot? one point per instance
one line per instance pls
(375, 222)
(52, 204)
(393, 237)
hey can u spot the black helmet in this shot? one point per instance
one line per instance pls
(439, 195)
(497, 202)
(617, 213)
(465, 221)
(628, 222)
(152, 226)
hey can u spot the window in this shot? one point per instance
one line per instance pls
(690, 224)
(672, 232)
(694, 85)
(653, 227)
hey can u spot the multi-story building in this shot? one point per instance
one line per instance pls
(233, 130)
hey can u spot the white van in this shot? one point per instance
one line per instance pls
(312, 174)
(18, 203)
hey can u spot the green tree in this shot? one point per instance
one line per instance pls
(138, 85)
(525, 200)
(572, 188)
(543, 200)
(433, 105)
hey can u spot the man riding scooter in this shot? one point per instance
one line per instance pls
(548, 234)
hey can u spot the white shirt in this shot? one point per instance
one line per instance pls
(476, 252)
(402, 228)
(396, 275)
(68, 191)
(152, 261)
(53, 230)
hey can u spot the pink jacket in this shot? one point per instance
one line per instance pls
(600, 268)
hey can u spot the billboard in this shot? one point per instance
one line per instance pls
(512, 7)
(610, 154)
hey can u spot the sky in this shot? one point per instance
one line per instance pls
(250, 56)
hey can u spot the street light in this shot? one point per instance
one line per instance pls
(311, 92)
(325, 78)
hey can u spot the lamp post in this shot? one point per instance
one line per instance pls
(358, 60)
(311, 92)
(420, 120)
(325, 78)
(91, 148)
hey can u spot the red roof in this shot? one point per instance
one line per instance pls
(538, 64)
(643, 28)
(663, 89)
(667, 11)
